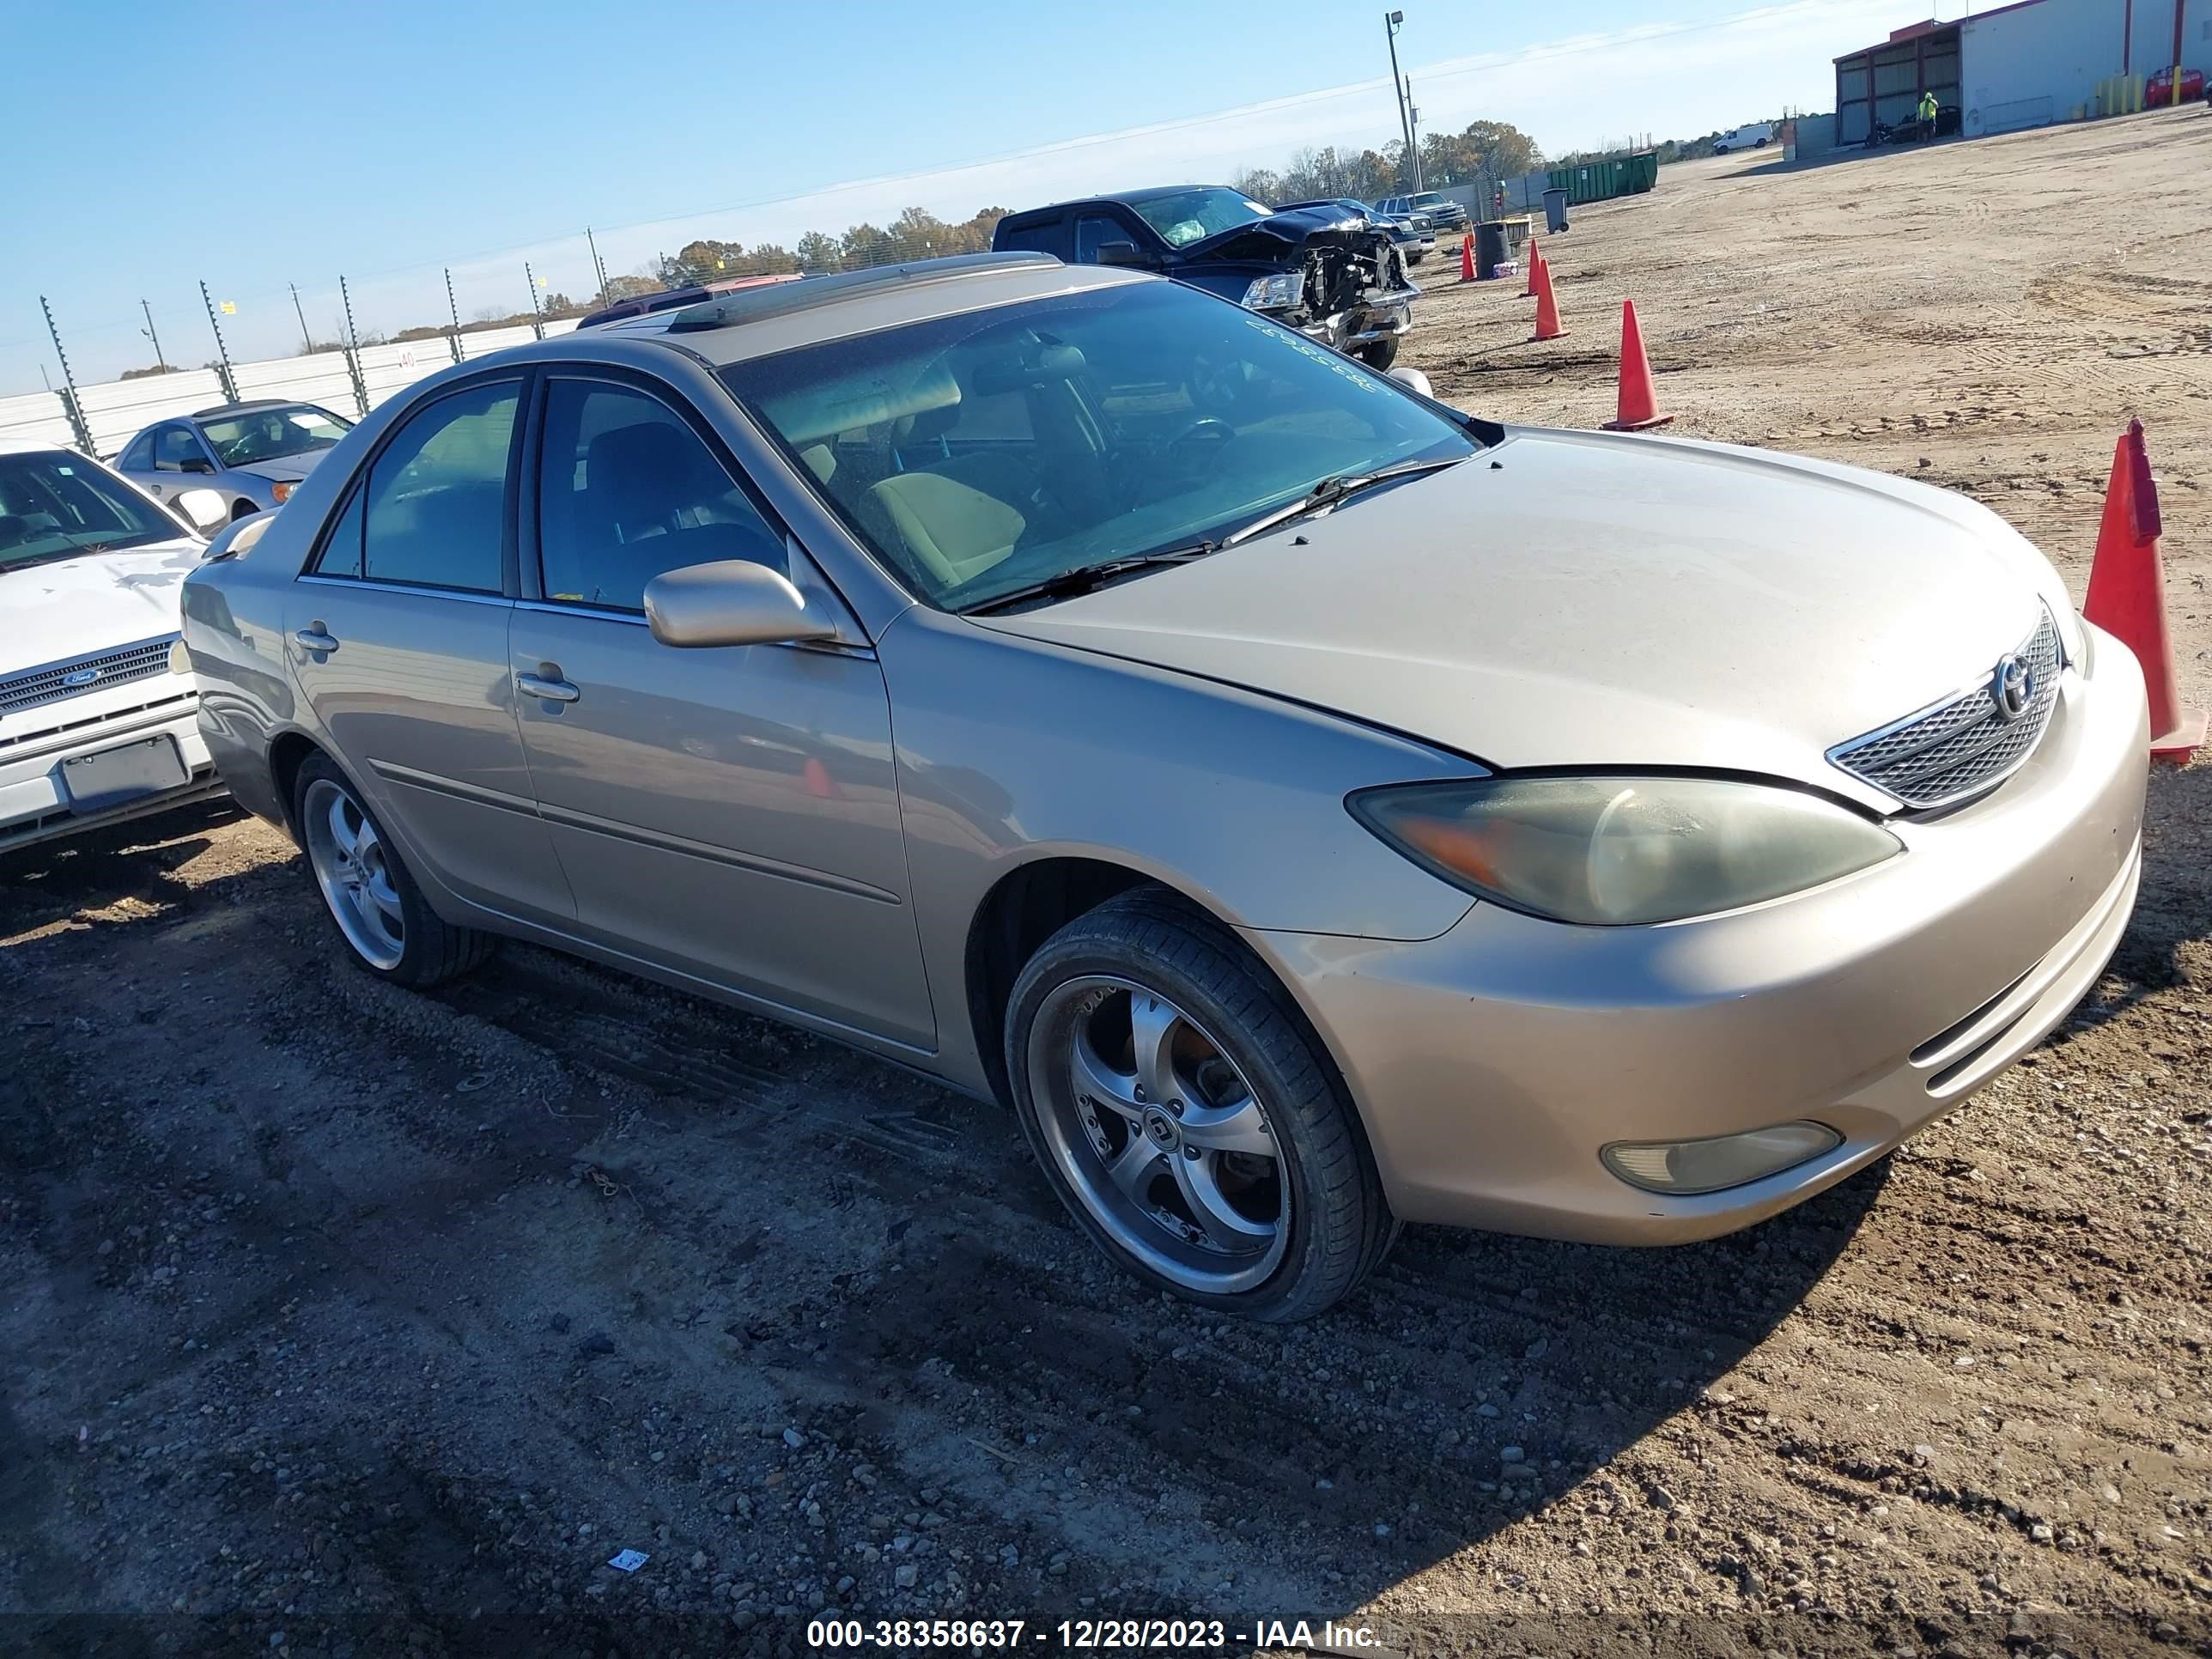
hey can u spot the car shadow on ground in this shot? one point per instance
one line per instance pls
(131, 865)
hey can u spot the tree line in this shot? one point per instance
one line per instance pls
(1494, 150)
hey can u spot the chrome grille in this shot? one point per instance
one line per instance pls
(1964, 745)
(117, 667)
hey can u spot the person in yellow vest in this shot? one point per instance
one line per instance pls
(1927, 115)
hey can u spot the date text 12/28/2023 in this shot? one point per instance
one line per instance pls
(1086, 1635)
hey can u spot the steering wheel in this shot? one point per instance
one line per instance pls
(1210, 429)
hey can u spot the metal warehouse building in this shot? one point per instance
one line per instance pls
(2021, 65)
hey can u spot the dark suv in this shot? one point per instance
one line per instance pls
(1335, 280)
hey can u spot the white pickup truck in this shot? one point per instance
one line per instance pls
(1757, 136)
(99, 713)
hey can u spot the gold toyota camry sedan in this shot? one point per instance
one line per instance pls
(1306, 806)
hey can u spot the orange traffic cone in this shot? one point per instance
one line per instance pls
(1639, 404)
(1466, 257)
(1547, 308)
(819, 783)
(2127, 594)
(1535, 258)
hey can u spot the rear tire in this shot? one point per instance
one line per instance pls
(1379, 355)
(386, 926)
(1250, 1188)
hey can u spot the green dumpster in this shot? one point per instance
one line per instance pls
(1601, 182)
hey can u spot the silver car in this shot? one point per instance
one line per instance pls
(254, 454)
(1307, 807)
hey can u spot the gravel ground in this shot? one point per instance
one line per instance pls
(341, 1320)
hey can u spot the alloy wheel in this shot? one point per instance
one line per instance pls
(354, 869)
(1160, 1133)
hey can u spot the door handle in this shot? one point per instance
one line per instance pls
(535, 685)
(315, 640)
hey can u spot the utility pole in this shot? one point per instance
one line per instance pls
(453, 340)
(1413, 126)
(306, 340)
(598, 262)
(1392, 22)
(75, 410)
(222, 351)
(155, 337)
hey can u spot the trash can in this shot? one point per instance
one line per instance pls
(1489, 248)
(1555, 210)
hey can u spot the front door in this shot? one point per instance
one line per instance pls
(731, 813)
(398, 640)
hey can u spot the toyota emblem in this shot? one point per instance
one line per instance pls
(2012, 688)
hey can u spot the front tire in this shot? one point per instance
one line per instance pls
(379, 912)
(1187, 1115)
(1379, 355)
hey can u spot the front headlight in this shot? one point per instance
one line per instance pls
(282, 492)
(1276, 292)
(1618, 850)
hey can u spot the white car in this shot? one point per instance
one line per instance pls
(1757, 136)
(99, 721)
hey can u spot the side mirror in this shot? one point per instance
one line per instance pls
(1126, 254)
(1413, 380)
(734, 602)
(204, 510)
(198, 463)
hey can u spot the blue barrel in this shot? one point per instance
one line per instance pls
(1555, 210)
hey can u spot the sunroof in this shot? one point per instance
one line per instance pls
(751, 305)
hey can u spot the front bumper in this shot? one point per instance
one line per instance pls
(1386, 315)
(34, 801)
(1492, 1063)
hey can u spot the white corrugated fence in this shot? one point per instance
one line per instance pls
(117, 409)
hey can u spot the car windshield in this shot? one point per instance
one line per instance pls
(1192, 215)
(55, 504)
(986, 452)
(263, 434)
(1427, 200)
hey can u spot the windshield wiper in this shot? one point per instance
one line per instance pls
(1087, 578)
(1330, 491)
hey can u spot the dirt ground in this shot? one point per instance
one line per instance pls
(337, 1320)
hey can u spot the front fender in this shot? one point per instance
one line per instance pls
(1010, 751)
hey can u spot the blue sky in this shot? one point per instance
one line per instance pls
(261, 147)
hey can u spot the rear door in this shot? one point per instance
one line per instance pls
(398, 634)
(730, 813)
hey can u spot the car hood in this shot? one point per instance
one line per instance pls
(1579, 599)
(286, 469)
(73, 608)
(1278, 235)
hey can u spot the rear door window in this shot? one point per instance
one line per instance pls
(139, 458)
(1047, 236)
(435, 513)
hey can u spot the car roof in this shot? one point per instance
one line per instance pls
(1127, 197)
(756, 322)
(29, 446)
(218, 410)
